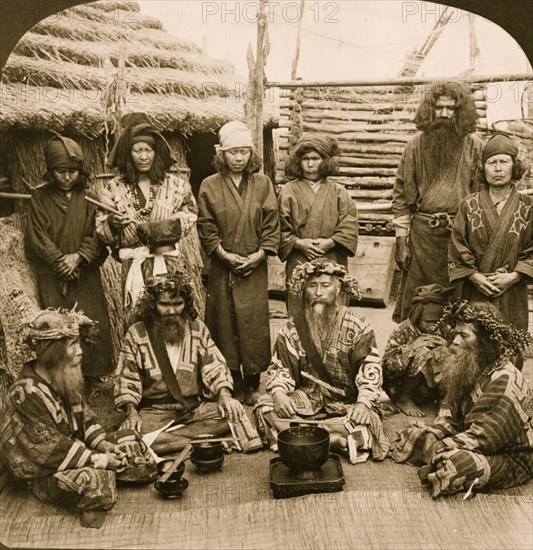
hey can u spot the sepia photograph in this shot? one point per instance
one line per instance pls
(266, 274)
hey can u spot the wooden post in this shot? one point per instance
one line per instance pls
(294, 67)
(254, 96)
(474, 50)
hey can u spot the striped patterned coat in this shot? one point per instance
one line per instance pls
(201, 368)
(350, 357)
(40, 435)
(174, 200)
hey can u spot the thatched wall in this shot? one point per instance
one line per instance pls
(372, 125)
(18, 301)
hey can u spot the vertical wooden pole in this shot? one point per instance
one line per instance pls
(294, 68)
(474, 50)
(259, 77)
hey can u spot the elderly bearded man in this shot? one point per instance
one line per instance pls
(170, 371)
(50, 441)
(326, 366)
(485, 440)
(438, 169)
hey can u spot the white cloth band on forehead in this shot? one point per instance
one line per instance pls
(234, 134)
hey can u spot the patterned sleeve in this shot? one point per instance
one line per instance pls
(369, 378)
(461, 260)
(185, 208)
(42, 448)
(496, 419)
(103, 229)
(524, 265)
(214, 369)
(285, 360)
(127, 377)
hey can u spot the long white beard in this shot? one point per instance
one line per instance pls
(68, 382)
(321, 319)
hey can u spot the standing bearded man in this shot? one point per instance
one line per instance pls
(170, 371)
(485, 440)
(50, 441)
(437, 170)
(326, 366)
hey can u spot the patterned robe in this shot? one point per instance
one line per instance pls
(201, 369)
(243, 221)
(174, 200)
(402, 360)
(52, 447)
(418, 194)
(57, 225)
(491, 439)
(484, 241)
(304, 214)
(352, 361)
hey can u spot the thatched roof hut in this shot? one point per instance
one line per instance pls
(62, 77)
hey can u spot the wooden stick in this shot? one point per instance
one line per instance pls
(187, 449)
(6, 195)
(323, 384)
(215, 440)
(104, 206)
(405, 81)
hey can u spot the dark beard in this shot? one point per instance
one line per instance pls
(320, 319)
(441, 144)
(68, 382)
(462, 370)
(172, 327)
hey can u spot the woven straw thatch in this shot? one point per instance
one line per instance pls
(18, 303)
(60, 74)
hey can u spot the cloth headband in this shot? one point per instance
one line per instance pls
(234, 134)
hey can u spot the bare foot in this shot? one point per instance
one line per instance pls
(251, 397)
(338, 442)
(409, 408)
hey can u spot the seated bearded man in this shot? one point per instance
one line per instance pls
(416, 352)
(485, 440)
(170, 375)
(326, 366)
(50, 441)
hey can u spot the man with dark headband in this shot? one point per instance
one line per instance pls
(326, 366)
(485, 440)
(170, 372)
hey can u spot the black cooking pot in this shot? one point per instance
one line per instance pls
(303, 448)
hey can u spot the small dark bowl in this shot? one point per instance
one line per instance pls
(207, 457)
(164, 465)
(303, 448)
(171, 489)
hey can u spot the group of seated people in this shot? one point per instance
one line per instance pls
(325, 367)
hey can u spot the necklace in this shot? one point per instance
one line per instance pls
(136, 199)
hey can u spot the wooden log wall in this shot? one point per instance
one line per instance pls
(372, 125)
